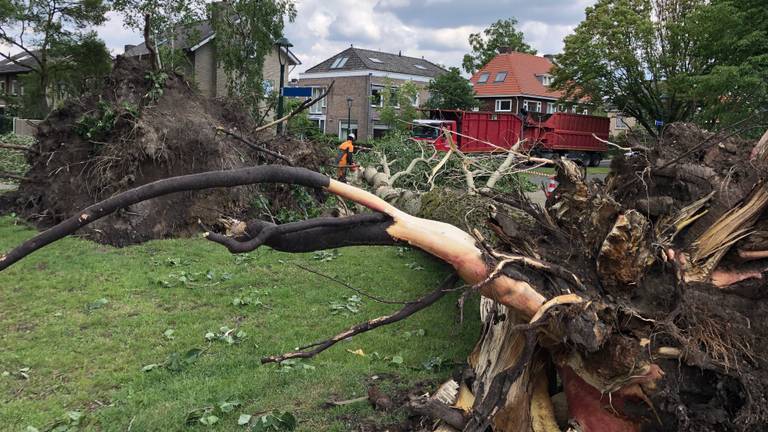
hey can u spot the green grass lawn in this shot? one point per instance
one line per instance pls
(86, 318)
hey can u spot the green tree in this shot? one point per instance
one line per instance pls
(486, 45)
(36, 26)
(162, 20)
(399, 105)
(734, 36)
(670, 60)
(450, 90)
(245, 34)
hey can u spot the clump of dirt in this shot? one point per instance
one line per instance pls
(144, 127)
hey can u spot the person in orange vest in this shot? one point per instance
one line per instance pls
(344, 161)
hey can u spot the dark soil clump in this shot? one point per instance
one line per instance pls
(137, 130)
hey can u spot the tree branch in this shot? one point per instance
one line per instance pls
(304, 105)
(408, 310)
(253, 146)
(13, 176)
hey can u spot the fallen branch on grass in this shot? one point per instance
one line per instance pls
(408, 310)
(14, 176)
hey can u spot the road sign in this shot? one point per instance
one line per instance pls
(297, 91)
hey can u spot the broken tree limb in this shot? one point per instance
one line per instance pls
(254, 147)
(408, 310)
(14, 176)
(442, 240)
(437, 410)
(304, 105)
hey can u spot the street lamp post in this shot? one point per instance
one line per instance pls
(349, 115)
(282, 45)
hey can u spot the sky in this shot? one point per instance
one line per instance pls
(435, 29)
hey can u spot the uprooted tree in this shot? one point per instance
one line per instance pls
(639, 298)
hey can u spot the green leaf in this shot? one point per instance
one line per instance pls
(210, 336)
(397, 360)
(227, 407)
(244, 419)
(74, 417)
(169, 334)
(192, 355)
(209, 420)
(150, 367)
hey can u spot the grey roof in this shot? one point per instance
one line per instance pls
(186, 38)
(27, 61)
(363, 59)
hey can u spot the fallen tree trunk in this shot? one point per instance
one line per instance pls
(636, 316)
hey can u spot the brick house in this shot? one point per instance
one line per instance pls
(362, 75)
(11, 86)
(202, 64)
(515, 81)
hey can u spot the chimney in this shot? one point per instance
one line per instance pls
(550, 57)
(505, 50)
(399, 53)
(127, 47)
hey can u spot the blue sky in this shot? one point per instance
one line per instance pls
(435, 29)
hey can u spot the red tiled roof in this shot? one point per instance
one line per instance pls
(523, 76)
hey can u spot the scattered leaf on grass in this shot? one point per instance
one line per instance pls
(168, 334)
(294, 364)
(209, 420)
(398, 360)
(98, 304)
(244, 419)
(150, 367)
(358, 351)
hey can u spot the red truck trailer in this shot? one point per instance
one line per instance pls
(559, 134)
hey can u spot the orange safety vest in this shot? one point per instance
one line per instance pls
(346, 148)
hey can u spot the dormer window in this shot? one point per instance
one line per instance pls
(500, 77)
(547, 80)
(339, 62)
(483, 78)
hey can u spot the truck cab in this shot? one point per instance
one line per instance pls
(431, 132)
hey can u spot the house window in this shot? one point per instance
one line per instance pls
(546, 80)
(377, 96)
(14, 88)
(621, 123)
(585, 111)
(550, 107)
(415, 101)
(379, 130)
(375, 60)
(500, 77)
(483, 78)
(318, 107)
(319, 122)
(344, 130)
(573, 109)
(532, 106)
(339, 63)
(504, 105)
(561, 108)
